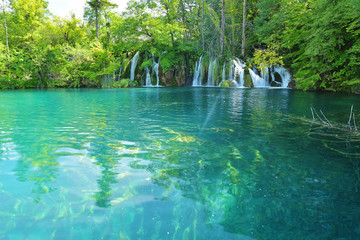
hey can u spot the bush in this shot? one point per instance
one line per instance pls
(227, 84)
(124, 83)
(107, 81)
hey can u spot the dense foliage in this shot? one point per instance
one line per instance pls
(318, 41)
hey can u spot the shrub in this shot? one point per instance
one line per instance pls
(227, 84)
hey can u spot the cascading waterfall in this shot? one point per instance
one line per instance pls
(211, 74)
(134, 62)
(256, 79)
(231, 71)
(284, 74)
(198, 73)
(223, 73)
(273, 78)
(120, 70)
(148, 78)
(239, 71)
(156, 70)
(209, 80)
(237, 74)
(264, 79)
(265, 75)
(260, 82)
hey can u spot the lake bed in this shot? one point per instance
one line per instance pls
(178, 163)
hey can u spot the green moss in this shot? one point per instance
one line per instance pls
(124, 83)
(248, 81)
(227, 84)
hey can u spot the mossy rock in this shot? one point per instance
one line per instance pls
(227, 84)
(248, 81)
(277, 81)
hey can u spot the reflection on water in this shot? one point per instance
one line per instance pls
(199, 163)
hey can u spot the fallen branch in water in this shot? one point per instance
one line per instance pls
(325, 121)
(352, 116)
(334, 136)
(321, 129)
(351, 126)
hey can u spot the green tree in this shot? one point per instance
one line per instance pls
(6, 31)
(28, 15)
(317, 39)
(71, 29)
(97, 6)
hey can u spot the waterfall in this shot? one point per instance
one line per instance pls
(211, 74)
(263, 79)
(273, 77)
(257, 80)
(231, 71)
(214, 70)
(156, 70)
(223, 73)
(284, 74)
(265, 75)
(148, 78)
(237, 74)
(134, 61)
(198, 73)
(120, 70)
(239, 71)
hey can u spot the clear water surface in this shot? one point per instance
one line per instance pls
(187, 163)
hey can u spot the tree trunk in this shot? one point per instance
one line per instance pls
(6, 34)
(233, 27)
(243, 30)
(222, 38)
(169, 21)
(202, 26)
(97, 23)
(183, 19)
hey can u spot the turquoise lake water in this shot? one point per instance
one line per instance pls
(182, 163)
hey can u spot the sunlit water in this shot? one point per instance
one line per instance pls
(197, 163)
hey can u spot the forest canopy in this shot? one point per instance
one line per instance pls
(317, 41)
